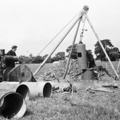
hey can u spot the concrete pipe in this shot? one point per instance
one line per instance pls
(23, 90)
(8, 86)
(12, 86)
(35, 89)
(12, 105)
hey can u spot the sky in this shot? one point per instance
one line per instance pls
(32, 24)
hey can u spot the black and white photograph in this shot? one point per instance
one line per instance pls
(59, 60)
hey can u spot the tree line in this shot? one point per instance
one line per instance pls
(40, 59)
(112, 51)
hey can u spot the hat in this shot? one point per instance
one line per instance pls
(14, 46)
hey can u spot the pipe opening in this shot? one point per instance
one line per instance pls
(47, 90)
(23, 90)
(11, 104)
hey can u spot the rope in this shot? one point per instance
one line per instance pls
(55, 37)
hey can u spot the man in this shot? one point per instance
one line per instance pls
(11, 62)
(90, 59)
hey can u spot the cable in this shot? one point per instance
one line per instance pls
(55, 37)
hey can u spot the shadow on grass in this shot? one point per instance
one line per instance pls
(28, 112)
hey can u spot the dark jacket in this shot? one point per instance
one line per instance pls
(90, 60)
(10, 62)
(12, 53)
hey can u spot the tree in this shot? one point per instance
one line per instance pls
(30, 56)
(60, 55)
(38, 59)
(55, 59)
(98, 50)
(24, 59)
(49, 60)
(45, 56)
(74, 51)
(113, 52)
(21, 59)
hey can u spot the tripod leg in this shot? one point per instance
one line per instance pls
(102, 47)
(68, 63)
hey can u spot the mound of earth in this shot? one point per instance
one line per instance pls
(57, 72)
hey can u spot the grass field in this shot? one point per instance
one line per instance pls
(77, 106)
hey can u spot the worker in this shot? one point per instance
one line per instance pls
(11, 62)
(90, 59)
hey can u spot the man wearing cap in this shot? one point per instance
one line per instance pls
(12, 51)
(11, 63)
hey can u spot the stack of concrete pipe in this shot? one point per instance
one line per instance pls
(12, 101)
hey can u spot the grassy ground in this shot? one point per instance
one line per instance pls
(77, 106)
(80, 106)
(46, 67)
